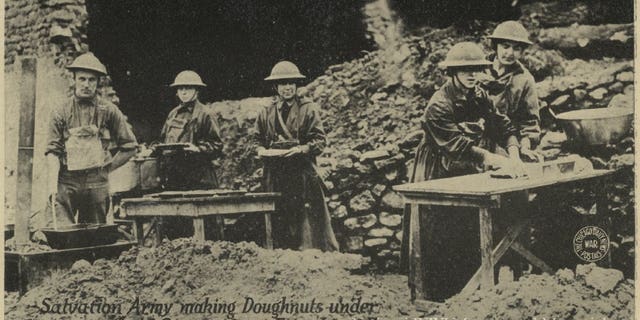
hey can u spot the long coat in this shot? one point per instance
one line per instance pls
(191, 123)
(453, 123)
(302, 219)
(514, 94)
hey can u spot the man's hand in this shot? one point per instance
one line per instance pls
(292, 152)
(192, 148)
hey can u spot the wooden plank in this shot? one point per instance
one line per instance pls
(482, 184)
(496, 254)
(14, 255)
(439, 199)
(194, 208)
(27, 105)
(11, 112)
(51, 88)
(139, 231)
(159, 232)
(415, 254)
(219, 198)
(198, 229)
(197, 193)
(512, 234)
(268, 241)
(486, 248)
(426, 306)
(520, 249)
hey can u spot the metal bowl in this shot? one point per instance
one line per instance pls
(71, 236)
(596, 126)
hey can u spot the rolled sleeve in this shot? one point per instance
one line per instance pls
(260, 130)
(124, 137)
(55, 139)
(527, 115)
(210, 142)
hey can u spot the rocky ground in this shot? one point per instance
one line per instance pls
(183, 272)
(373, 108)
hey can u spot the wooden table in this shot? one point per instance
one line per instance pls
(483, 192)
(198, 208)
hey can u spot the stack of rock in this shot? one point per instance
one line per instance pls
(33, 26)
(373, 107)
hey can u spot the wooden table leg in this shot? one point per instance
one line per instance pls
(486, 247)
(23, 274)
(198, 229)
(157, 237)
(268, 239)
(138, 229)
(524, 252)
(415, 254)
(496, 254)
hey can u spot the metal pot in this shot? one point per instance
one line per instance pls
(149, 176)
(596, 126)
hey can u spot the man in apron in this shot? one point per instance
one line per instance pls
(191, 168)
(292, 127)
(79, 134)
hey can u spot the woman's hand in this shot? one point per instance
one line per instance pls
(529, 155)
(513, 168)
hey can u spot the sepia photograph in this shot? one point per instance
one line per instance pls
(319, 159)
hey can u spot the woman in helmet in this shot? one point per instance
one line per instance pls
(461, 131)
(293, 125)
(513, 90)
(191, 168)
(193, 123)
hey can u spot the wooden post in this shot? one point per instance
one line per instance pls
(27, 94)
(415, 254)
(157, 237)
(268, 239)
(198, 228)
(486, 247)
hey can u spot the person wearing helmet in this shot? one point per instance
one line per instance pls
(513, 89)
(290, 135)
(191, 168)
(79, 134)
(461, 130)
(193, 123)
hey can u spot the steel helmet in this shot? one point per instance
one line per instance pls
(285, 70)
(512, 31)
(88, 61)
(188, 78)
(465, 54)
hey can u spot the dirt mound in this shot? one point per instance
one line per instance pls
(189, 276)
(590, 293)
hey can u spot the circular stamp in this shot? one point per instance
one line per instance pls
(591, 243)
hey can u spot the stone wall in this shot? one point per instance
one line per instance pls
(54, 28)
(373, 108)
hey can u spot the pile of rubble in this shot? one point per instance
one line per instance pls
(590, 293)
(373, 108)
(180, 278)
(184, 272)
